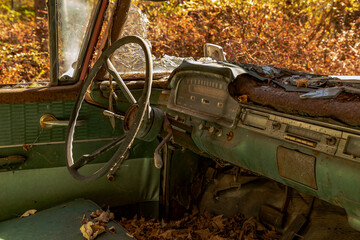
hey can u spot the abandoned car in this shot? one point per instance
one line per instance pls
(231, 138)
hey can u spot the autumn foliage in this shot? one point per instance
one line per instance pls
(23, 46)
(307, 35)
(320, 36)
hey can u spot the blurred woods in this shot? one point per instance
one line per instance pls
(24, 53)
(320, 36)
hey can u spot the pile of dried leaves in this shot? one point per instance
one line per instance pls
(96, 224)
(198, 226)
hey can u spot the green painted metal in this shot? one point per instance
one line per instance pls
(338, 180)
(122, 104)
(20, 123)
(43, 180)
(58, 223)
(53, 42)
(154, 127)
(53, 155)
(137, 181)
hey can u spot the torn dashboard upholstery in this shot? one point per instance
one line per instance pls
(299, 93)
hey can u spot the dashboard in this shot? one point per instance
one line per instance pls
(201, 90)
(316, 157)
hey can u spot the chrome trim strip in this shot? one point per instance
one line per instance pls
(53, 143)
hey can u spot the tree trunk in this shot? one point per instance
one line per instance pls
(41, 24)
(39, 7)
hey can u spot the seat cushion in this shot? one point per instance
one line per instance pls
(60, 222)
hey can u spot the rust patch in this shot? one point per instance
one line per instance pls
(296, 166)
(93, 41)
(341, 108)
(229, 136)
(46, 94)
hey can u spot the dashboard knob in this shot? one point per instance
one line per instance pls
(276, 125)
(211, 129)
(202, 127)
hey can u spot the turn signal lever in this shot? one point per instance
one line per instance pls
(157, 157)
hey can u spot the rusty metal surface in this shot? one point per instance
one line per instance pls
(118, 22)
(93, 41)
(46, 94)
(343, 108)
(296, 166)
(63, 93)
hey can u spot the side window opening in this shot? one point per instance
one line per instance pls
(24, 48)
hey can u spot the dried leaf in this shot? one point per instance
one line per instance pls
(93, 215)
(27, 147)
(84, 219)
(203, 233)
(91, 230)
(129, 235)
(216, 237)
(98, 229)
(87, 230)
(112, 229)
(105, 216)
(29, 212)
(219, 222)
(243, 98)
(301, 82)
(168, 234)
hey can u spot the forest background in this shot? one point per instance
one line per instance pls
(319, 36)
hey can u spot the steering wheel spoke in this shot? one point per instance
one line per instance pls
(120, 82)
(87, 158)
(124, 142)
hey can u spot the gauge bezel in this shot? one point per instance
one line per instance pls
(172, 103)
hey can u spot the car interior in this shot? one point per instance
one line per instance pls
(229, 138)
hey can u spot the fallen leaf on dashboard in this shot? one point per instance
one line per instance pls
(301, 82)
(28, 213)
(243, 98)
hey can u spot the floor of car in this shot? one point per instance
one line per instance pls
(60, 222)
(328, 222)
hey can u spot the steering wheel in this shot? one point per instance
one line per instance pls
(133, 117)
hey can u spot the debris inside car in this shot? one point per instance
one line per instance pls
(206, 149)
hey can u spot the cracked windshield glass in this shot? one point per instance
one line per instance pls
(73, 17)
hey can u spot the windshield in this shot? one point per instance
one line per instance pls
(319, 36)
(73, 20)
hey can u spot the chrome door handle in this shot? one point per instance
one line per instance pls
(47, 121)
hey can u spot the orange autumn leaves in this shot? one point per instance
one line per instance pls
(299, 37)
